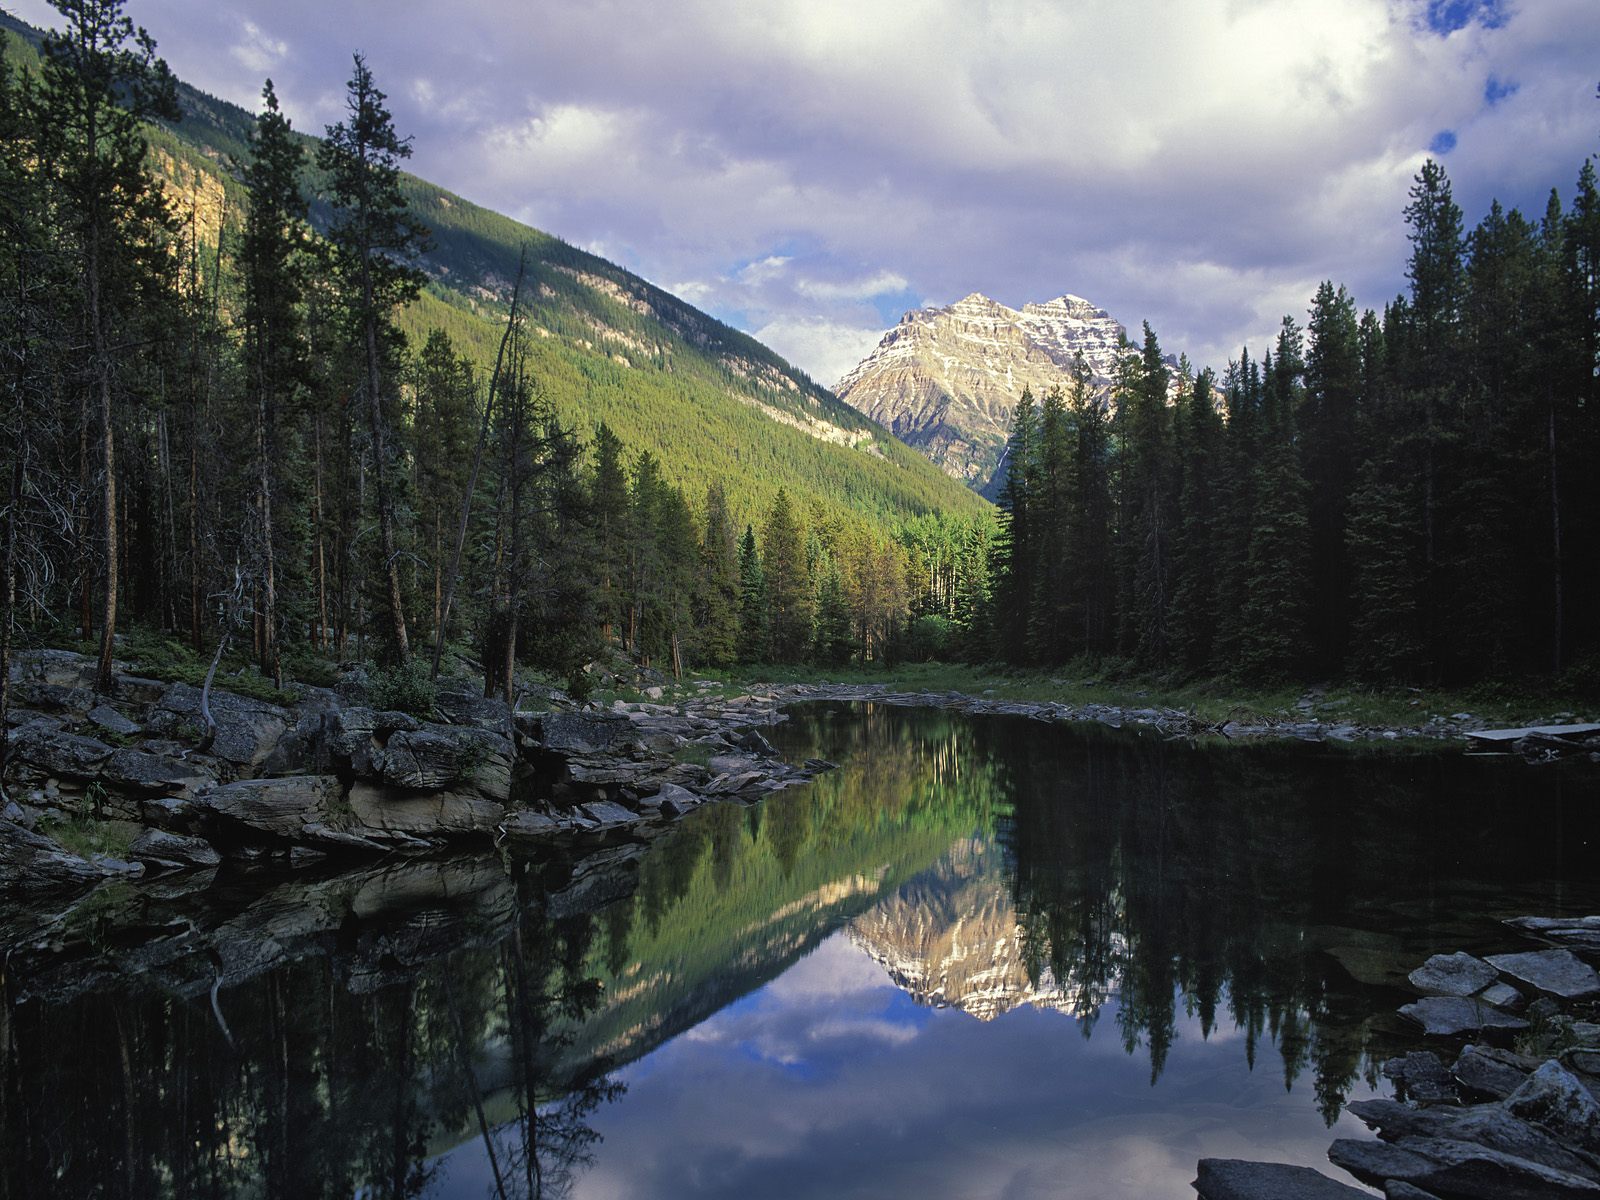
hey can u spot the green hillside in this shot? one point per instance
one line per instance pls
(709, 401)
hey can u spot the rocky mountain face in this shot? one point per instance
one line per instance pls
(947, 380)
(951, 939)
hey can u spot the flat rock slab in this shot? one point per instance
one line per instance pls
(1576, 933)
(1237, 1179)
(1422, 1077)
(1555, 972)
(1486, 1125)
(1449, 1016)
(1489, 1071)
(1458, 1169)
(1456, 974)
(1556, 1099)
(1514, 735)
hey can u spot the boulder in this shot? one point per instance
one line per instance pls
(1489, 1071)
(1448, 1016)
(421, 813)
(585, 732)
(465, 708)
(1458, 1169)
(56, 753)
(1556, 1099)
(1422, 1077)
(32, 864)
(1556, 972)
(112, 721)
(171, 850)
(1236, 1179)
(608, 815)
(441, 755)
(1452, 975)
(1503, 995)
(155, 774)
(1488, 1125)
(1397, 1189)
(282, 808)
(247, 730)
(529, 824)
(674, 800)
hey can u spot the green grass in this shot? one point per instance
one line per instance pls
(86, 836)
(156, 655)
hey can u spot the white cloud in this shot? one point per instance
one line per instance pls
(1200, 165)
(824, 348)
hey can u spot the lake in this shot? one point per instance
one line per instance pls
(985, 957)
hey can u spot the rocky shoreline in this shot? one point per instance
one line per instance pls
(330, 775)
(1515, 1115)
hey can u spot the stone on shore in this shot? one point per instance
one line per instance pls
(1490, 1071)
(172, 850)
(1555, 972)
(1450, 1016)
(1488, 1125)
(1459, 1169)
(1456, 974)
(1581, 933)
(1237, 1179)
(1556, 1099)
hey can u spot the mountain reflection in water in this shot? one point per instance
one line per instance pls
(1170, 953)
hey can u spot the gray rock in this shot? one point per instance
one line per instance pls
(1488, 1125)
(530, 824)
(155, 774)
(169, 849)
(1503, 995)
(608, 815)
(675, 800)
(585, 733)
(59, 753)
(1397, 1189)
(1556, 1099)
(1458, 1169)
(1236, 1179)
(1578, 933)
(421, 813)
(1422, 1077)
(32, 864)
(441, 755)
(1456, 974)
(1555, 972)
(1448, 1016)
(753, 741)
(481, 712)
(280, 808)
(247, 730)
(112, 721)
(1489, 1071)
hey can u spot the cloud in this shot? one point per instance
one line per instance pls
(1200, 166)
(257, 52)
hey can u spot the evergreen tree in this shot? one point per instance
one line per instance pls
(375, 240)
(1147, 517)
(788, 587)
(1014, 547)
(752, 601)
(1050, 634)
(833, 639)
(610, 490)
(1329, 457)
(717, 607)
(1194, 588)
(101, 81)
(1090, 543)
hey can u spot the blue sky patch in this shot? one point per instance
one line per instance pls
(1443, 142)
(1447, 16)
(1496, 90)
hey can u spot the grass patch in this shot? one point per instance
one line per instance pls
(87, 836)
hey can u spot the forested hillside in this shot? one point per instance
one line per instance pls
(270, 394)
(1400, 496)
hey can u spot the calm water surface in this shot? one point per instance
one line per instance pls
(983, 958)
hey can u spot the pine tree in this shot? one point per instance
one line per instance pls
(1194, 588)
(1329, 457)
(717, 606)
(610, 491)
(1015, 548)
(1050, 634)
(1090, 545)
(272, 261)
(1147, 517)
(752, 601)
(101, 80)
(833, 639)
(788, 586)
(375, 239)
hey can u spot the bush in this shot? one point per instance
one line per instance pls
(407, 688)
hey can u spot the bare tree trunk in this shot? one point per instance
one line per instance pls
(319, 516)
(270, 661)
(103, 681)
(12, 509)
(194, 528)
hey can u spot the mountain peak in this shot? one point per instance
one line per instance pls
(947, 380)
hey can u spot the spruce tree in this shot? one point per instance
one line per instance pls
(375, 241)
(1015, 547)
(788, 585)
(752, 601)
(1198, 428)
(717, 608)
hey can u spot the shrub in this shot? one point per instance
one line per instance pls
(407, 688)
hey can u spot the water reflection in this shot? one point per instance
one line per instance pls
(787, 993)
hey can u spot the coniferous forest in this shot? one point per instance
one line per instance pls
(1399, 497)
(239, 440)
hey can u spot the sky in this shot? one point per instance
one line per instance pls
(809, 171)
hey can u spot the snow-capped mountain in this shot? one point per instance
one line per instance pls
(946, 380)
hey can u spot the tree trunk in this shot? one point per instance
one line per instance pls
(1556, 645)
(270, 663)
(386, 539)
(103, 681)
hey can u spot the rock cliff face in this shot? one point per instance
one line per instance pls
(946, 380)
(951, 939)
